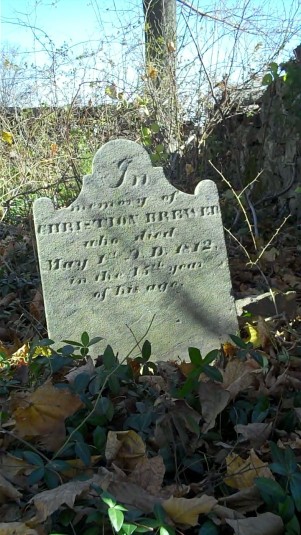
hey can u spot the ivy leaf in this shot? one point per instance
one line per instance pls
(116, 518)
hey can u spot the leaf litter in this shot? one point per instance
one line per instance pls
(210, 459)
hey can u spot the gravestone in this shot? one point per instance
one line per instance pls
(133, 254)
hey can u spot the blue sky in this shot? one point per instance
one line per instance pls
(105, 39)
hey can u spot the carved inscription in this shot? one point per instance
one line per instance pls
(131, 247)
(164, 251)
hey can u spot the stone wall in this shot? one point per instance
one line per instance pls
(266, 137)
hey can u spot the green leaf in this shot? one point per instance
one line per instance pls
(99, 438)
(36, 476)
(81, 382)
(51, 479)
(211, 356)
(146, 350)
(292, 527)
(105, 408)
(166, 530)
(85, 339)
(114, 385)
(290, 460)
(295, 488)
(95, 340)
(208, 528)
(270, 487)
(32, 458)
(155, 128)
(116, 518)
(77, 344)
(108, 499)
(45, 342)
(83, 452)
(277, 453)
(128, 529)
(213, 373)
(195, 356)
(67, 350)
(109, 359)
(267, 79)
(58, 465)
(239, 342)
(286, 509)
(278, 469)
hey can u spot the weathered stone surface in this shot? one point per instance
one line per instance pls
(133, 252)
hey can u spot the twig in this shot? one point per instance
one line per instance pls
(240, 203)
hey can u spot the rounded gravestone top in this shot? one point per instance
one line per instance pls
(118, 158)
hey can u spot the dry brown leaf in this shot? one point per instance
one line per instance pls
(16, 528)
(149, 474)
(49, 501)
(237, 377)
(125, 448)
(223, 512)
(265, 524)
(42, 413)
(8, 491)
(243, 472)
(177, 417)
(36, 307)
(185, 512)
(5, 301)
(244, 501)
(256, 433)
(12, 468)
(214, 398)
(88, 368)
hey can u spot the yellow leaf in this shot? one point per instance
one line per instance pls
(254, 336)
(42, 413)
(152, 72)
(7, 137)
(186, 511)
(242, 473)
(125, 447)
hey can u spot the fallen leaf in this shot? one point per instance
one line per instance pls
(253, 335)
(36, 307)
(88, 368)
(264, 524)
(8, 491)
(5, 301)
(238, 376)
(214, 398)
(244, 500)
(185, 511)
(42, 413)
(49, 501)
(125, 448)
(256, 433)
(16, 528)
(241, 473)
(149, 474)
(178, 418)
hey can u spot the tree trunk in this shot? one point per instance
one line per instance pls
(160, 36)
(160, 57)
